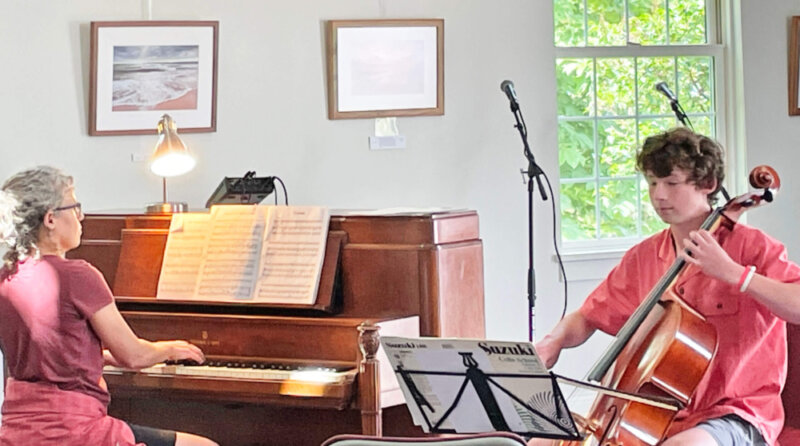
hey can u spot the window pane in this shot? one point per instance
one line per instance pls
(651, 222)
(575, 92)
(576, 149)
(647, 22)
(578, 211)
(618, 208)
(568, 23)
(649, 127)
(615, 86)
(617, 145)
(652, 70)
(687, 22)
(606, 22)
(695, 84)
(704, 126)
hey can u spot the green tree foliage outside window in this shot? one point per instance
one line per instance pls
(607, 106)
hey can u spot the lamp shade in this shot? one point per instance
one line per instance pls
(170, 157)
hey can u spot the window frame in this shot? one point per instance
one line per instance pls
(718, 29)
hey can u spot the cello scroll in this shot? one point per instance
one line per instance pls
(765, 177)
(761, 177)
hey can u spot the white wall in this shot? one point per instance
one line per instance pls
(773, 137)
(272, 119)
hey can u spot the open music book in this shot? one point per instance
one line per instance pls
(245, 253)
(469, 385)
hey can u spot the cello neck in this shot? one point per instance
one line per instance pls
(637, 318)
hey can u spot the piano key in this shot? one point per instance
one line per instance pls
(283, 372)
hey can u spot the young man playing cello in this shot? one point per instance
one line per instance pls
(743, 285)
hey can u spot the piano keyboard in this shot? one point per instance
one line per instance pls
(248, 371)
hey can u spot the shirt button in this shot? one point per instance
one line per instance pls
(680, 291)
(719, 305)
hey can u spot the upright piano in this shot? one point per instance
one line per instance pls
(404, 274)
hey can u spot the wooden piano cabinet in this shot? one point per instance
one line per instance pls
(235, 424)
(258, 413)
(369, 397)
(430, 265)
(416, 271)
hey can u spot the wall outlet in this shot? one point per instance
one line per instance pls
(139, 157)
(387, 142)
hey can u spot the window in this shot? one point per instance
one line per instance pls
(610, 55)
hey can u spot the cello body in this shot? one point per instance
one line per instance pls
(667, 357)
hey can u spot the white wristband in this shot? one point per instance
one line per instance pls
(748, 278)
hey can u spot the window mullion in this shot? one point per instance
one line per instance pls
(638, 144)
(666, 20)
(585, 23)
(627, 24)
(640, 51)
(596, 154)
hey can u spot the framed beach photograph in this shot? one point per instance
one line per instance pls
(142, 70)
(380, 68)
(794, 67)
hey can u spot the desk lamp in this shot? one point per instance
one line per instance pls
(170, 158)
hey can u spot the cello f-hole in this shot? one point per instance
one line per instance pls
(606, 427)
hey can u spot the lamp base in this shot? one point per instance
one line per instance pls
(169, 207)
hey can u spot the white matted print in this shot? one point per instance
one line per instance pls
(385, 68)
(141, 70)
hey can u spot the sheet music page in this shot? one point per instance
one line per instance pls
(230, 266)
(498, 370)
(183, 256)
(293, 252)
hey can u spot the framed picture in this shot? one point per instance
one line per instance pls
(141, 70)
(382, 68)
(794, 67)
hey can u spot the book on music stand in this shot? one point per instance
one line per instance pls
(469, 386)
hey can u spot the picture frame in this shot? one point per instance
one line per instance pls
(379, 68)
(794, 67)
(140, 70)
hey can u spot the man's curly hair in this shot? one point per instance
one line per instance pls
(699, 156)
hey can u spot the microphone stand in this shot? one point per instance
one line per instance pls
(679, 113)
(534, 171)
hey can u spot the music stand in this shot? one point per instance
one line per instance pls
(248, 189)
(527, 402)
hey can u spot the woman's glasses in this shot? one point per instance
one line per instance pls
(76, 206)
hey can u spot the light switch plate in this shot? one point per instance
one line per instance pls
(387, 142)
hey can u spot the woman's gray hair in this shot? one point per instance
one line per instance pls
(25, 198)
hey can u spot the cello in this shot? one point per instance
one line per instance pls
(663, 350)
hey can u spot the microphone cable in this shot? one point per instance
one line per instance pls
(285, 195)
(555, 244)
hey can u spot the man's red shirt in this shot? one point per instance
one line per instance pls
(747, 374)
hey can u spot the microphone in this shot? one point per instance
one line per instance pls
(662, 88)
(507, 87)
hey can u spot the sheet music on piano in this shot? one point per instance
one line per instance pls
(245, 253)
(183, 255)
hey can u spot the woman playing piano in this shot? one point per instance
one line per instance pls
(56, 315)
(746, 290)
